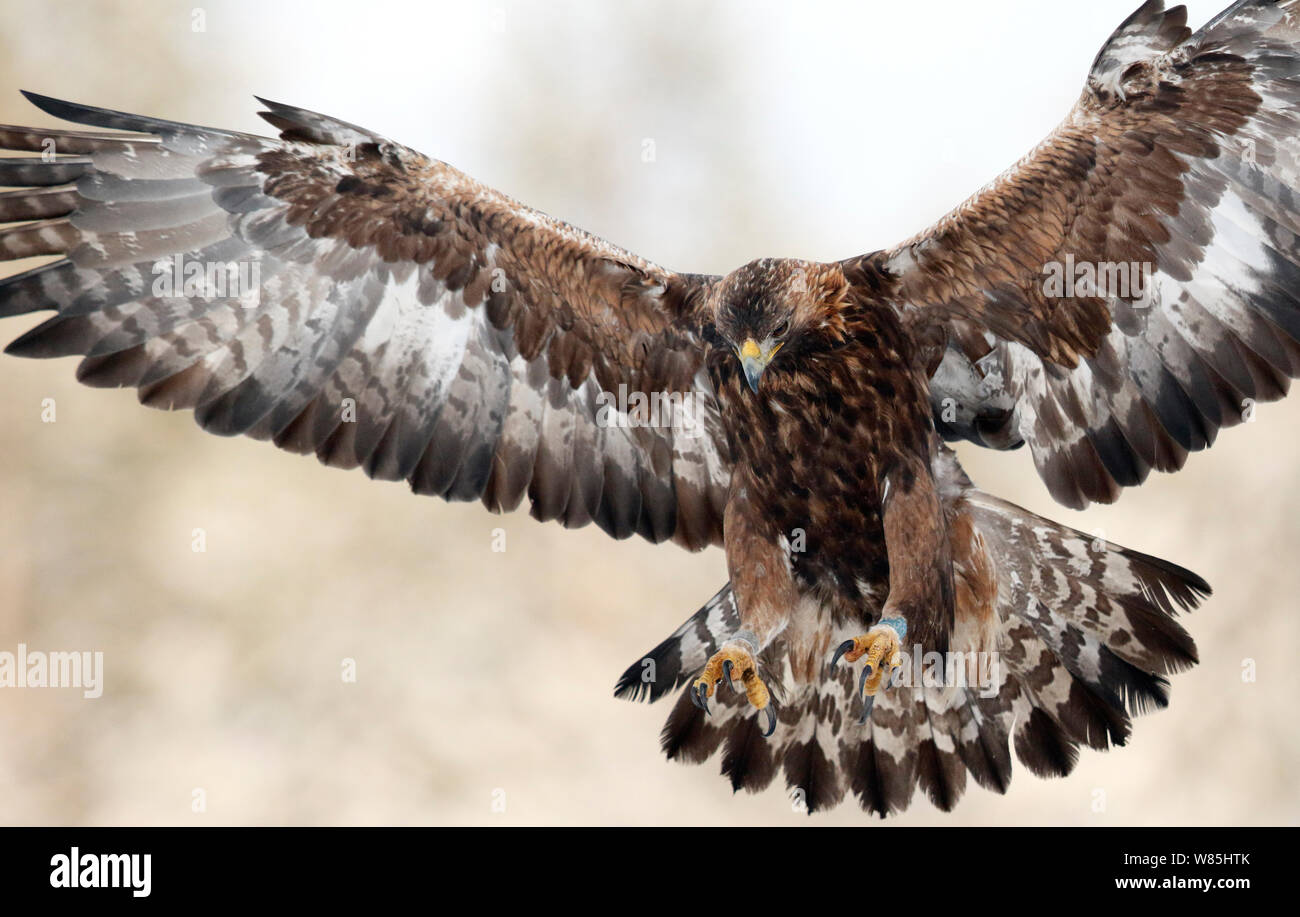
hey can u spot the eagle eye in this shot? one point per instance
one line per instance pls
(781, 329)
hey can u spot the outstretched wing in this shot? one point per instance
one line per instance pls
(337, 293)
(1133, 284)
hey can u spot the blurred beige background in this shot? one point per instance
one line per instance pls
(815, 130)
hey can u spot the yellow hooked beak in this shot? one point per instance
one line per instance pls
(754, 358)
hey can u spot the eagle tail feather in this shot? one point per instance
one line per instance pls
(1080, 632)
(680, 656)
(1086, 632)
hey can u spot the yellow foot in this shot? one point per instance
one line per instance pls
(734, 663)
(882, 645)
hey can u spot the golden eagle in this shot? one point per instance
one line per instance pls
(1111, 301)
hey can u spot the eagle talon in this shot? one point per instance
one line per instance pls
(882, 647)
(843, 648)
(867, 703)
(700, 697)
(734, 658)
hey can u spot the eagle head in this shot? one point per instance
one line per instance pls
(779, 305)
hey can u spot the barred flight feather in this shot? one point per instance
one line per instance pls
(470, 334)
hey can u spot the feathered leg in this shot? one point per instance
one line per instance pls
(920, 580)
(759, 563)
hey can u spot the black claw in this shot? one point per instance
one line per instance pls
(862, 679)
(843, 648)
(867, 703)
(771, 720)
(726, 672)
(700, 698)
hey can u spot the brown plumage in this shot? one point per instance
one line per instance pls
(395, 315)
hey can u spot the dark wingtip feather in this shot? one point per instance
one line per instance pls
(24, 293)
(302, 124)
(112, 119)
(78, 113)
(47, 104)
(44, 342)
